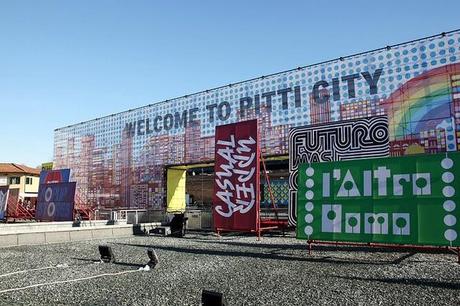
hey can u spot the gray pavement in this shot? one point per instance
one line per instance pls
(274, 271)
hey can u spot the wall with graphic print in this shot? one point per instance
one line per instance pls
(119, 160)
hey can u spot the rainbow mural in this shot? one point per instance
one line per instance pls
(423, 103)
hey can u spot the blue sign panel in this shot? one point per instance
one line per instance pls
(55, 202)
(3, 201)
(54, 176)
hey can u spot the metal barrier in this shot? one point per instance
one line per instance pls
(134, 216)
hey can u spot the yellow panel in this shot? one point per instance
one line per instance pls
(47, 166)
(176, 190)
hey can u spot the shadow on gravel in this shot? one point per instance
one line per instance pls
(406, 281)
(276, 256)
(316, 247)
(125, 264)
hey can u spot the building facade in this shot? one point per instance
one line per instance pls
(22, 181)
(120, 160)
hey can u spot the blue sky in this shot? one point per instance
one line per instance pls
(63, 62)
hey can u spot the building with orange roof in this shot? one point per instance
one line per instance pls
(21, 180)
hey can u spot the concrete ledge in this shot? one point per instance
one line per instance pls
(31, 238)
(65, 234)
(20, 228)
(102, 232)
(122, 231)
(80, 235)
(57, 237)
(8, 240)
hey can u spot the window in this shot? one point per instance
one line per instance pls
(28, 181)
(14, 180)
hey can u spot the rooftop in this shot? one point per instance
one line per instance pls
(274, 271)
(16, 168)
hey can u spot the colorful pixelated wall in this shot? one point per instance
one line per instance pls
(119, 160)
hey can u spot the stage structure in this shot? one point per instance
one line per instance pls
(413, 89)
(15, 209)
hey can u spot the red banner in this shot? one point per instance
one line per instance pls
(236, 177)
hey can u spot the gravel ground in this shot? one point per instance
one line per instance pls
(274, 271)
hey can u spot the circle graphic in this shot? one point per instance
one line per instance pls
(309, 218)
(401, 222)
(450, 234)
(309, 206)
(379, 132)
(310, 171)
(450, 220)
(353, 221)
(448, 191)
(348, 185)
(449, 205)
(421, 182)
(308, 230)
(447, 163)
(48, 194)
(309, 194)
(309, 183)
(447, 177)
(51, 209)
(331, 215)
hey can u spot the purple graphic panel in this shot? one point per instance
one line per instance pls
(56, 202)
(3, 199)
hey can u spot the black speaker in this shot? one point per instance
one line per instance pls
(212, 298)
(106, 253)
(177, 225)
